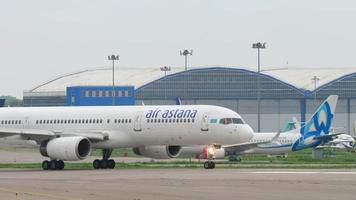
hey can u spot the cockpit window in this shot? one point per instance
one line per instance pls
(226, 121)
(237, 121)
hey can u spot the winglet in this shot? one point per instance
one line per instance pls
(296, 123)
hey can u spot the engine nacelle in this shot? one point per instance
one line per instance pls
(66, 148)
(158, 151)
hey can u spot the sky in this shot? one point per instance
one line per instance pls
(41, 39)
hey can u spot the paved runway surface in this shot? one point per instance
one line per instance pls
(146, 184)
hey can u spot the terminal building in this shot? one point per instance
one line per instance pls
(284, 93)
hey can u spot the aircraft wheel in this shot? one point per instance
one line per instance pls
(111, 164)
(207, 165)
(238, 159)
(45, 165)
(103, 164)
(212, 165)
(96, 164)
(60, 164)
(53, 165)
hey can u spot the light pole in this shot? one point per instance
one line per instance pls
(258, 46)
(165, 69)
(186, 53)
(315, 79)
(113, 58)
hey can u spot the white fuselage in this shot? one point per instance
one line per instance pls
(132, 126)
(282, 145)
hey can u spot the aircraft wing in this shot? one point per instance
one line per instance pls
(27, 133)
(93, 136)
(334, 146)
(248, 145)
(327, 138)
(40, 135)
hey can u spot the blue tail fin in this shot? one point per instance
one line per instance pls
(319, 124)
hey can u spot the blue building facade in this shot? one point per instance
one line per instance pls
(237, 89)
(100, 95)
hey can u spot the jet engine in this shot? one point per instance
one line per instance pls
(158, 151)
(66, 148)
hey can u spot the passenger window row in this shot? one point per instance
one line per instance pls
(122, 121)
(11, 122)
(80, 121)
(170, 120)
(70, 121)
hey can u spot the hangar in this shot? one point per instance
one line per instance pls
(284, 92)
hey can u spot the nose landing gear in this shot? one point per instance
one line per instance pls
(209, 154)
(209, 164)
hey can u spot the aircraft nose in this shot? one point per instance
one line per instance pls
(246, 133)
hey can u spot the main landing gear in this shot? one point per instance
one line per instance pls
(209, 164)
(53, 165)
(234, 158)
(105, 163)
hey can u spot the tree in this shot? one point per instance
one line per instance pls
(11, 101)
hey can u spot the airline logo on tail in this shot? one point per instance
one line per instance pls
(318, 125)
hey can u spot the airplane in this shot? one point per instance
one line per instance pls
(314, 132)
(70, 133)
(342, 141)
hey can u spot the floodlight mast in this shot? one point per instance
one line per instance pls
(113, 58)
(315, 79)
(258, 46)
(165, 69)
(186, 53)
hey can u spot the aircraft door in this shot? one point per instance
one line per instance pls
(205, 122)
(26, 123)
(137, 122)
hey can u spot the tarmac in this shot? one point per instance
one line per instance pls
(177, 184)
(167, 184)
